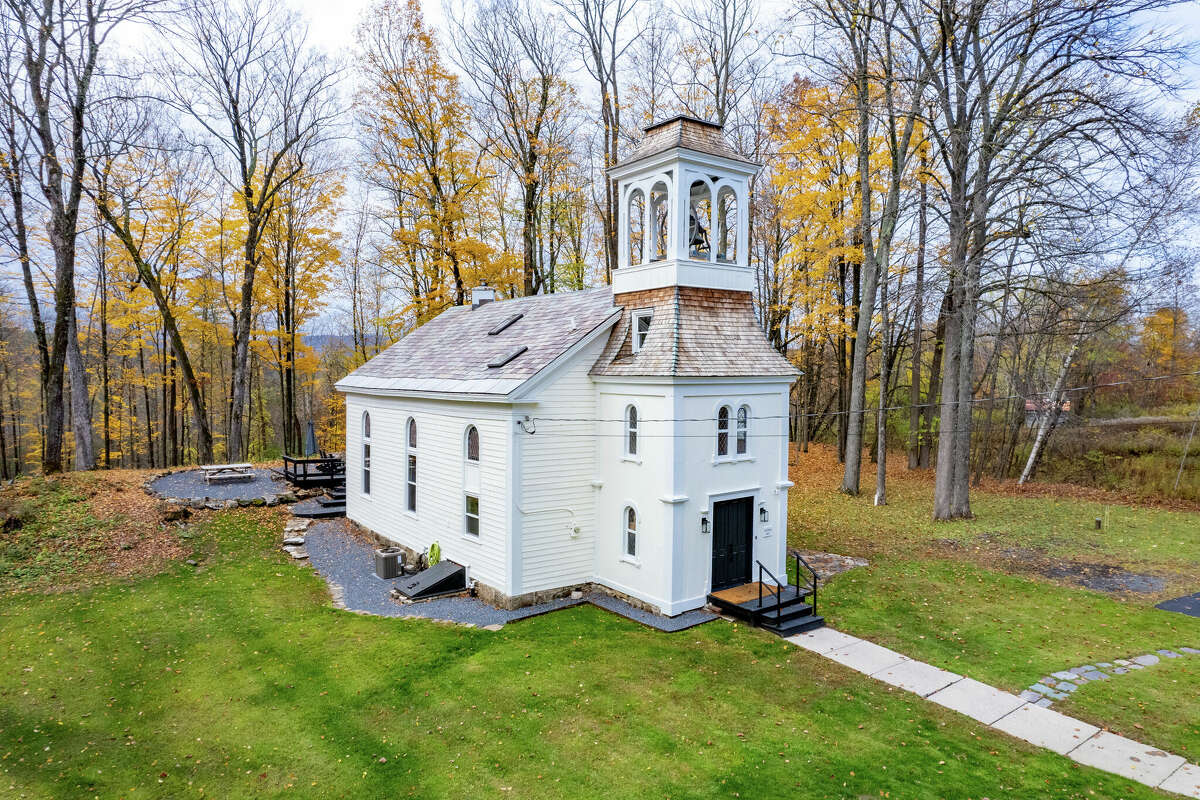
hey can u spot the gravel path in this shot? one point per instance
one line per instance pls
(348, 565)
(190, 485)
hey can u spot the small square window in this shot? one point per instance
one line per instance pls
(641, 328)
(472, 515)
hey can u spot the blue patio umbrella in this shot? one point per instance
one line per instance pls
(310, 440)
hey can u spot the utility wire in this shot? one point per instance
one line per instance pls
(904, 407)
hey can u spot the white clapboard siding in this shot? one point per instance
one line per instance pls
(558, 465)
(441, 455)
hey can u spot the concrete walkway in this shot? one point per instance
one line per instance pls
(1006, 712)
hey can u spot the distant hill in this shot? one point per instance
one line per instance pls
(322, 342)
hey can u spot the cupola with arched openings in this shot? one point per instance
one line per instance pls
(683, 216)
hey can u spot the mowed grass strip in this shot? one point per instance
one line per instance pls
(1159, 704)
(970, 596)
(1001, 629)
(1155, 540)
(240, 680)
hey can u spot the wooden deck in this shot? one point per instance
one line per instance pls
(313, 472)
(737, 595)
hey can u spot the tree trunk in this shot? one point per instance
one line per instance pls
(240, 367)
(914, 412)
(881, 414)
(81, 407)
(1049, 416)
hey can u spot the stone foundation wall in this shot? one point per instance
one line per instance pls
(495, 597)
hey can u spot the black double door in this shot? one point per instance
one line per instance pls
(733, 542)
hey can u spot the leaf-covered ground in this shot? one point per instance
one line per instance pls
(65, 532)
(239, 679)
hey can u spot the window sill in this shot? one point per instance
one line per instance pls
(470, 537)
(631, 459)
(718, 460)
(634, 562)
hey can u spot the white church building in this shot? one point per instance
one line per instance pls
(631, 438)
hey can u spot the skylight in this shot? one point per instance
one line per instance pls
(504, 325)
(500, 362)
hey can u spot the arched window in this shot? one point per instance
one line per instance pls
(637, 225)
(723, 431)
(659, 225)
(631, 431)
(471, 481)
(472, 443)
(366, 452)
(411, 478)
(727, 225)
(743, 429)
(629, 545)
(699, 220)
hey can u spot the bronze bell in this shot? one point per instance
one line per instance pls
(697, 235)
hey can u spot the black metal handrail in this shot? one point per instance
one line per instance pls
(812, 586)
(775, 591)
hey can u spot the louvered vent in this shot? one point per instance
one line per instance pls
(504, 325)
(500, 362)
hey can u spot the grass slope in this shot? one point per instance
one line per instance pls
(240, 680)
(1161, 701)
(971, 596)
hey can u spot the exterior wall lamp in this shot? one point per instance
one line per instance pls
(762, 512)
(704, 522)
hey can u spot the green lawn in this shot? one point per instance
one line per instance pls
(1162, 698)
(1005, 526)
(238, 679)
(971, 597)
(1001, 629)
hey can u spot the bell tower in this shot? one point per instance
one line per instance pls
(683, 217)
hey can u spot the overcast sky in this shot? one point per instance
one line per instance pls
(332, 25)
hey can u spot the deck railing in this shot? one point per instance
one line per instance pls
(301, 471)
(775, 590)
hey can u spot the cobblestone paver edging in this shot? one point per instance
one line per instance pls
(1060, 685)
(1017, 716)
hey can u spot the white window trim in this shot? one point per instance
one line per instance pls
(728, 455)
(411, 451)
(467, 447)
(640, 314)
(636, 429)
(626, 556)
(475, 537)
(719, 460)
(363, 445)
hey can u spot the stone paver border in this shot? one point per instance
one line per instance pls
(1059, 685)
(1028, 720)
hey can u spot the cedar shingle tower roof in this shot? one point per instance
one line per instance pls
(694, 333)
(687, 132)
